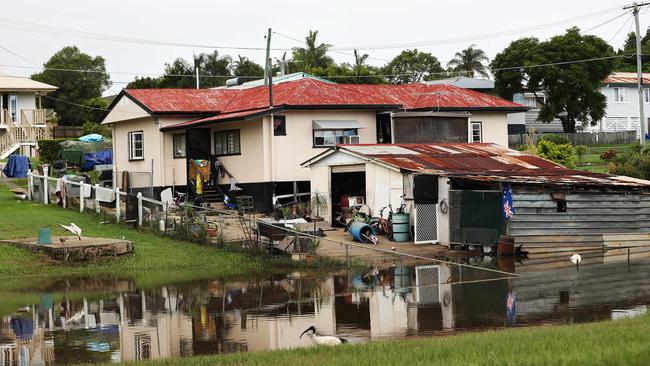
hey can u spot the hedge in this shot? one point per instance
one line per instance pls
(50, 150)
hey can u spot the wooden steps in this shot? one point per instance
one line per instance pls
(626, 240)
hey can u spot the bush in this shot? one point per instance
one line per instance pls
(608, 155)
(92, 127)
(581, 151)
(634, 163)
(561, 154)
(556, 139)
(49, 150)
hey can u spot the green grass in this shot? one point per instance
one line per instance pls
(157, 260)
(621, 342)
(592, 162)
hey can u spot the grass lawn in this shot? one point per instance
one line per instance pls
(157, 260)
(621, 342)
(592, 162)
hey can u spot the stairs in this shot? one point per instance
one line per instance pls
(17, 136)
(212, 194)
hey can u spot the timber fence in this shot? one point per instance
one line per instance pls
(578, 138)
(235, 230)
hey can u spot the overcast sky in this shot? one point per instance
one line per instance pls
(349, 23)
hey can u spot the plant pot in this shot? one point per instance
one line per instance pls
(211, 231)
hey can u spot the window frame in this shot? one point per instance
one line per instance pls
(313, 136)
(617, 94)
(130, 145)
(226, 132)
(174, 153)
(646, 95)
(283, 125)
(480, 131)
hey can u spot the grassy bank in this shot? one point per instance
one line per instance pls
(157, 259)
(622, 342)
(592, 161)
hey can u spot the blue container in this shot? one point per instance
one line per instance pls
(44, 237)
(360, 231)
(401, 227)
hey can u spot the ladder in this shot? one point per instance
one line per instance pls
(245, 208)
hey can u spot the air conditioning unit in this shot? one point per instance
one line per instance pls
(351, 140)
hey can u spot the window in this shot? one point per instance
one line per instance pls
(179, 146)
(227, 143)
(325, 138)
(13, 107)
(279, 125)
(477, 132)
(646, 95)
(136, 145)
(620, 95)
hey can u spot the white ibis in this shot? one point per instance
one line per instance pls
(576, 259)
(323, 340)
(76, 230)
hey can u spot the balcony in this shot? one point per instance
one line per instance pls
(26, 117)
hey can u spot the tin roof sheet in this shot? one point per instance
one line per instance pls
(625, 78)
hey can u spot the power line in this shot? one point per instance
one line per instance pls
(331, 49)
(620, 29)
(76, 104)
(607, 21)
(17, 55)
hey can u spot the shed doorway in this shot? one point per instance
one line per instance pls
(348, 188)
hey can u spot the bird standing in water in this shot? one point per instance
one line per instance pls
(323, 340)
(576, 259)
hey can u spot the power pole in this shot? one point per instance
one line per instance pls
(196, 70)
(267, 64)
(639, 69)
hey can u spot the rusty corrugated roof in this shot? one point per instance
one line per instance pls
(487, 162)
(183, 100)
(625, 78)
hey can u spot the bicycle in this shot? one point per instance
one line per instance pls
(382, 225)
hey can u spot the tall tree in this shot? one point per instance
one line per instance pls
(628, 64)
(312, 55)
(144, 82)
(571, 90)
(412, 66)
(74, 87)
(359, 62)
(346, 74)
(243, 66)
(471, 61)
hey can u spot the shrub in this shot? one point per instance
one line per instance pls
(561, 154)
(92, 127)
(634, 163)
(581, 151)
(49, 150)
(556, 139)
(608, 155)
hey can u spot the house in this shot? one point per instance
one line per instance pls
(622, 113)
(518, 123)
(453, 193)
(22, 119)
(261, 142)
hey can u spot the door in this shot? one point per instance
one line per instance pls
(13, 107)
(197, 146)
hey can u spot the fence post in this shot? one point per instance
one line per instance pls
(98, 208)
(139, 208)
(82, 196)
(30, 185)
(117, 204)
(45, 188)
(347, 254)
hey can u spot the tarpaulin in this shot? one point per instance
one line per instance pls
(95, 158)
(17, 166)
(93, 137)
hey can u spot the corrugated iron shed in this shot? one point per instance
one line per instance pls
(483, 162)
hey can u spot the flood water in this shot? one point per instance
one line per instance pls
(112, 320)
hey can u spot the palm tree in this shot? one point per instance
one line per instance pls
(245, 67)
(470, 60)
(359, 62)
(312, 55)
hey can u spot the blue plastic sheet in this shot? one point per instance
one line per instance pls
(96, 158)
(17, 166)
(93, 137)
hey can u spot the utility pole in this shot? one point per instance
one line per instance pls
(267, 65)
(196, 69)
(639, 68)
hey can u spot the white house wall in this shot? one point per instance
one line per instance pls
(249, 166)
(383, 187)
(621, 116)
(153, 147)
(125, 109)
(494, 125)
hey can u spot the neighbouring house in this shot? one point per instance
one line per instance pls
(22, 118)
(622, 113)
(262, 145)
(453, 193)
(518, 123)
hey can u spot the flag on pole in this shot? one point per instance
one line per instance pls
(508, 209)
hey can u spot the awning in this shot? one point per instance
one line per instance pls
(335, 125)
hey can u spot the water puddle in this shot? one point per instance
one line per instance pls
(85, 321)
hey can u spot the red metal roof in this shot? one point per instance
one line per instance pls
(488, 162)
(183, 100)
(309, 92)
(625, 78)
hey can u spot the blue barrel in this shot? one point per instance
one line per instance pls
(360, 231)
(401, 227)
(44, 236)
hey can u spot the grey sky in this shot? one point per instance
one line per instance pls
(244, 23)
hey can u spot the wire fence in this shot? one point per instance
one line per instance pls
(237, 230)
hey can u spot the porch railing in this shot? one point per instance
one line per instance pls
(33, 116)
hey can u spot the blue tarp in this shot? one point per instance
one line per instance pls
(95, 158)
(17, 166)
(93, 137)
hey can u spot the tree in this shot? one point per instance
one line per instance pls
(346, 74)
(144, 82)
(312, 55)
(628, 64)
(74, 87)
(412, 66)
(359, 62)
(471, 61)
(246, 67)
(571, 90)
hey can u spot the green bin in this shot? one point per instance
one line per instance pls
(401, 227)
(44, 237)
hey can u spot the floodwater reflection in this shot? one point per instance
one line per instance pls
(111, 321)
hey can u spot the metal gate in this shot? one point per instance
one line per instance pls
(426, 223)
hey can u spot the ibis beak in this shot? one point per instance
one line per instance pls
(303, 333)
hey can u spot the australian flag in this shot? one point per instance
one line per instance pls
(507, 208)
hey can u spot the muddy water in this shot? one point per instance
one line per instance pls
(111, 320)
